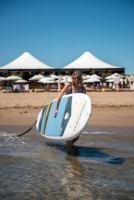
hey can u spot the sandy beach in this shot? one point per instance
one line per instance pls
(108, 108)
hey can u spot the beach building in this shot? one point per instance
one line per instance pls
(88, 63)
(26, 64)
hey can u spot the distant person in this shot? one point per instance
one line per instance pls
(19, 88)
(70, 88)
(104, 84)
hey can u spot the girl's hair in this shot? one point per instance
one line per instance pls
(78, 74)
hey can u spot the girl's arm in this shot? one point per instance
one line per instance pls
(63, 92)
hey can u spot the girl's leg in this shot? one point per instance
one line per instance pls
(70, 143)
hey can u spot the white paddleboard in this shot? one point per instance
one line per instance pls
(73, 114)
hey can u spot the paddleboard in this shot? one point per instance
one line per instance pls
(74, 111)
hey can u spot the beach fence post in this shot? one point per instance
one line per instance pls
(59, 81)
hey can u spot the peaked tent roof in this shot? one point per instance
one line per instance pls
(86, 61)
(26, 62)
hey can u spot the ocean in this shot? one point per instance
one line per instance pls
(99, 167)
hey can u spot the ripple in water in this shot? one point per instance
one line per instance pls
(100, 166)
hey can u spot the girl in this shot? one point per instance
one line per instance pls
(70, 88)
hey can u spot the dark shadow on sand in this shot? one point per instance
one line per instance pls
(88, 153)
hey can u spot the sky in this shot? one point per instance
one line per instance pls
(59, 31)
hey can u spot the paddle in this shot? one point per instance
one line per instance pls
(27, 130)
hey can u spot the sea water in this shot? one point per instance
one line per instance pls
(99, 166)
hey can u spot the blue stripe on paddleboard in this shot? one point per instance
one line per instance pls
(54, 123)
(66, 116)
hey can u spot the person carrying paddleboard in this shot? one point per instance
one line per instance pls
(70, 88)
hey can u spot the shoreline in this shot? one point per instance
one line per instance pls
(113, 116)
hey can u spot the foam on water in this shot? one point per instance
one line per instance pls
(99, 132)
(5, 134)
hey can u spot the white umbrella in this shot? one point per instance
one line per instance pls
(91, 80)
(9, 78)
(46, 80)
(53, 76)
(110, 80)
(36, 77)
(95, 76)
(21, 81)
(62, 81)
(114, 76)
(67, 79)
(86, 77)
(3, 78)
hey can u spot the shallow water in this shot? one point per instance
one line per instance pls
(100, 165)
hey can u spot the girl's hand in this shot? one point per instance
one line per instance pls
(55, 113)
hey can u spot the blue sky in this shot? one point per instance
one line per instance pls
(59, 31)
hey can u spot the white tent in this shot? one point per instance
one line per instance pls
(25, 62)
(86, 61)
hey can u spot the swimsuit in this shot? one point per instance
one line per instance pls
(71, 92)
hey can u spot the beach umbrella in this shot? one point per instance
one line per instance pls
(95, 76)
(62, 81)
(92, 80)
(46, 80)
(110, 80)
(3, 78)
(67, 79)
(11, 78)
(54, 76)
(114, 76)
(66, 76)
(36, 77)
(116, 79)
(86, 77)
(21, 81)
